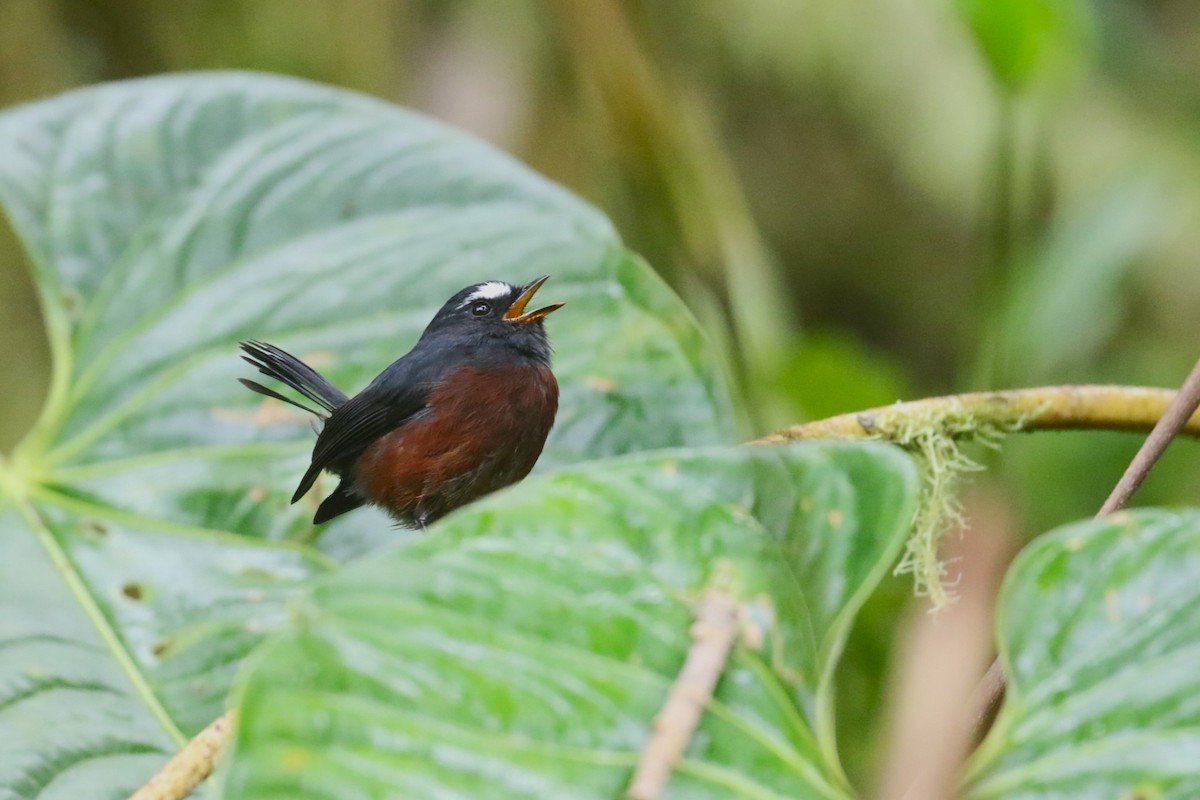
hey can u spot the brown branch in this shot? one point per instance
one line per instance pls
(188, 768)
(713, 634)
(1122, 408)
(1171, 422)
(989, 694)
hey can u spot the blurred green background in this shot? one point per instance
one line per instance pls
(862, 200)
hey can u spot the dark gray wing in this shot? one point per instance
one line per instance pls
(395, 397)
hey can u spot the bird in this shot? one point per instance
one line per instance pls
(464, 413)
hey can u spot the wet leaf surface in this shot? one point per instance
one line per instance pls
(524, 649)
(1101, 642)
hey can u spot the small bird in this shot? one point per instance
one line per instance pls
(464, 413)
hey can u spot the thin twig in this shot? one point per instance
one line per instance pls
(988, 696)
(1173, 421)
(188, 768)
(713, 634)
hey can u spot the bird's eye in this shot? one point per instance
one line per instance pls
(481, 309)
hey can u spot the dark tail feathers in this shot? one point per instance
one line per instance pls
(285, 367)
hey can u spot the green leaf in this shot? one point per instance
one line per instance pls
(523, 650)
(1021, 38)
(146, 541)
(1100, 640)
(119, 639)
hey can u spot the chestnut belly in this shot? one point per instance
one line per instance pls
(482, 430)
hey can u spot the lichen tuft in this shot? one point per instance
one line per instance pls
(936, 438)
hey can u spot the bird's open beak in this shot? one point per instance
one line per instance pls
(516, 312)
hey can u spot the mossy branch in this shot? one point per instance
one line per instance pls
(935, 428)
(1087, 407)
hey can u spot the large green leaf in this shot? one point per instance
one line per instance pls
(524, 649)
(1100, 639)
(144, 542)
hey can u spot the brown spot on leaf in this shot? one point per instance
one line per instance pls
(94, 528)
(836, 518)
(600, 383)
(753, 619)
(133, 591)
(294, 759)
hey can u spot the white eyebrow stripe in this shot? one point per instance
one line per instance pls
(489, 291)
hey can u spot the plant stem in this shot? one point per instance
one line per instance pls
(992, 367)
(188, 768)
(713, 633)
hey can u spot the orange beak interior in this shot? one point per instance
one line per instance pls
(516, 312)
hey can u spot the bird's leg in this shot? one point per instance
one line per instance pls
(423, 521)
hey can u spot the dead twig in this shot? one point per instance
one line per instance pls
(188, 768)
(713, 634)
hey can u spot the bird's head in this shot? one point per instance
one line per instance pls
(495, 314)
